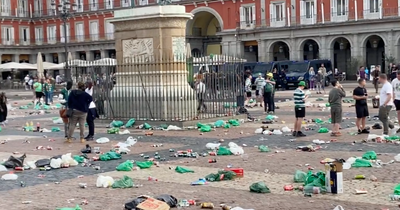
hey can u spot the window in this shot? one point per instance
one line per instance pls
(22, 8)
(108, 4)
(8, 35)
(374, 6)
(62, 33)
(38, 8)
(372, 9)
(50, 11)
(39, 35)
(94, 31)
(247, 16)
(79, 5)
(278, 14)
(93, 5)
(79, 32)
(24, 36)
(126, 3)
(51, 34)
(308, 11)
(340, 10)
(143, 2)
(6, 8)
(109, 30)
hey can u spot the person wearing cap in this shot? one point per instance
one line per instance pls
(260, 83)
(299, 108)
(268, 94)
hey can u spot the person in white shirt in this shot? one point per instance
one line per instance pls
(385, 103)
(92, 113)
(396, 95)
(200, 90)
(26, 80)
(58, 79)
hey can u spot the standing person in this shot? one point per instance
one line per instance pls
(78, 102)
(396, 95)
(375, 75)
(319, 80)
(247, 87)
(361, 73)
(38, 86)
(360, 95)
(63, 98)
(260, 83)
(323, 71)
(311, 78)
(3, 108)
(201, 92)
(268, 94)
(299, 108)
(335, 101)
(26, 80)
(385, 103)
(92, 113)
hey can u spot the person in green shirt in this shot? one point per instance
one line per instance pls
(38, 86)
(49, 87)
(268, 92)
(63, 99)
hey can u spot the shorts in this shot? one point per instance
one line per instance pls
(248, 94)
(258, 93)
(300, 112)
(362, 111)
(39, 94)
(397, 104)
(336, 114)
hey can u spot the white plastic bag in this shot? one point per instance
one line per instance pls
(339, 207)
(130, 141)
(267, 132)
(44, 130)
(212, 146)
(235, 149)
(173, 128)
(58, 121)
(277, 132)
(286, 129)
(3, 168)
(124, 132)
(31, 164)
(258, 131)
(397, 158)
(55, 163)
(317, 141)
(67, 159)
(9, 177)
(102, 140)
(104, 181)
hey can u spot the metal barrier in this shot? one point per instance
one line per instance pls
(166, 89)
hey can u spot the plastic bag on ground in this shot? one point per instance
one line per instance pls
(79, 158)
(267, 132)
(67, 159)
(259, 187)
(130, 123)
(13, 162)
(55, 163)
(3, 168)
(116, 124)
(102, 140)
(361, 163)
(224, 151)
(58, 120)
(55, 129)
(135, 202)
(110, 156)
(235, 149)
(113, 130)
(277, 132)
(397, 158)
(338, 208)
(183, 170)
(169, 199)
(145, 164)
(315, 180)
(323, 130)
(369, 155)
(130, 141)
(125, 166)
(124, 132)
(397, 190)
(286, 129)
(270, 117)
(213, 146)
(227, 125)
(219, 123)
(263, 148)
(146, 126)
(220, 176)
(125, 182)
(234, 122)
(205, 128)
(258, 131)
(9, 177)
(104, 181)
(300, 176)
(77, 207)
(173, 128)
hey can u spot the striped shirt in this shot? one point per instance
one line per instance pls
(298, 97)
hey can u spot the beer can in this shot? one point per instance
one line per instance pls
(359, 177)
(207, 205)
(212, 161)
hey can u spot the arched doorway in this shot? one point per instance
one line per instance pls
(342, 55)
(310, 49)
(279, 51)
(375, 52)
(201, 31)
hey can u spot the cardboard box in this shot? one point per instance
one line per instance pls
(334, 177)
(153, 204)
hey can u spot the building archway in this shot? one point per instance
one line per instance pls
(342, 55)
(310, 49)
(375, 52)
(196, 53)
(279, 51)
(201, 31)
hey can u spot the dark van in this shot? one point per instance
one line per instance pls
(298, 71)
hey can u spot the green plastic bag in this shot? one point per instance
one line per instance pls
(318, 121)
(219, 123)
(58, 106)
(23, 107)
(205, 128)
(369, 155)
(224, 151)
(199, 125)
(146, 126)
(46, 107)
(328, 105)
(361, 163)
(220, 176)
(30, 104)
(37, 106)
(145, 164)
(164, 126)
(79, 159)
(117, 124)
(316, 180)
(113, 130)
(125, 166)
(397, 190)
(392, 138)
(66, 208)
(130, 123)
(55, 129)
(183, 170)
(227, 125)
(259, 187)
(110, 156)
(323, 130)
(270, 117)
(300, 176)
(125, 182)
(263, 148)
(234, 122)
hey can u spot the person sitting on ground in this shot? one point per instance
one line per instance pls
(335, 102)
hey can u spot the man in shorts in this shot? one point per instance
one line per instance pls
(299, 108)
(360, 95)
(385, 103)
(396, 95)
(335, 101)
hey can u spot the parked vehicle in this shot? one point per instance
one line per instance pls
(298, 71)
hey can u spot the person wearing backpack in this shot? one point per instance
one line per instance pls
(268, 92)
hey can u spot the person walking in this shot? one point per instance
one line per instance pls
(319, 79)
(260, 83)
(26, 80)
(63, 99)
(3, 108)
(299, 108)
(201, 91)
(385, 103)
(268, 91)
(396, 95)
(247, 88)
(48, 92)
(311, 78)
(38, 86)
(92, 113)
(375, 77)
(335, 102)
(360, 95)
(78, 103)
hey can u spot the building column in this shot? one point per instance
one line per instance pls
(390, 45)
(323, 51)
(15, 58)
(33, 58)
(89, 56)
(262, 53)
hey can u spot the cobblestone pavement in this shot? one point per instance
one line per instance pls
(280, 167)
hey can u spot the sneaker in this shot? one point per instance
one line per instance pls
(89, 138)
(300, 134)
(359, 131)
(367, 131)
(294, 133)
(68, 140)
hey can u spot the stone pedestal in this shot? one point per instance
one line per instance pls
(151, 72)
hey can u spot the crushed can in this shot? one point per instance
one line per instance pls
(207, 206)
(19, 168)
(212, 153)
(212, 160)
(288, 187)
(359, 177)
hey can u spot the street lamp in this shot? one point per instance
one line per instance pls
(65, 13)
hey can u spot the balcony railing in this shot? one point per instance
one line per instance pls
(79, 39)
(320, 19)
(14, 13)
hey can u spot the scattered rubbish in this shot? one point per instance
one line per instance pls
(55, 163)
(9, 176)
(125, 166)
(359, 192)
(207, 206)
(183, 170)
(13, 162)
(125, 182)
(124, 132)
(220, 176)
(26, 202)
(317, 141)
(263, 148)
(77, 207)
(102, 140)
(300, 176)
(201, 181)
(2, 168)
(82, 185)
(359, 177)
(259, 187)
(213, 146)
(104, 181)
(235, 149)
